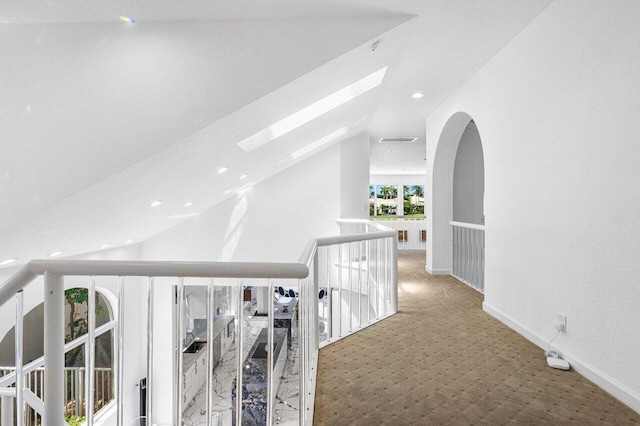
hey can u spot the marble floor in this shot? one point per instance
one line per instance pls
(287, 402)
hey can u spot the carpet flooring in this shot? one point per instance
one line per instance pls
(443, 361)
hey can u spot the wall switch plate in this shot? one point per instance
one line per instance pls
(561, 323)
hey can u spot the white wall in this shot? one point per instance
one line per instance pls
(397, 179)
(468, 178)
(557, 112)
(269, 222)
(354, 177)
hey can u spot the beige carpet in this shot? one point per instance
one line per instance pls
(442, 360)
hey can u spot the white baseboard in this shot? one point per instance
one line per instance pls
(437, 271)
(616, 389)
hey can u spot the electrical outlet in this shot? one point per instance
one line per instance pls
(561, 323)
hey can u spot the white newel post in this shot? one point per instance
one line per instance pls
(53, 349)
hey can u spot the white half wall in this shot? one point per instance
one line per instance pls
(557, 113)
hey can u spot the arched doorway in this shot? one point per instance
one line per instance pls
(456, 245)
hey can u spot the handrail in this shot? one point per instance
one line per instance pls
(149, 268)
(467, 225)
(383, 232)
(327, 241)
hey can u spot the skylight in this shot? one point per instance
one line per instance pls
(313, 111)
(314, 146)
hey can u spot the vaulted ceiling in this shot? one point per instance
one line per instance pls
(100, 117)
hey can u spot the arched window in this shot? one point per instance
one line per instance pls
(76, 326)
(76, 329)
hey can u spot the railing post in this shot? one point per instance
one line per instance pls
(53, 349)
(350, 310)
(359, 284)
(377, 279)
(211, 312)
(340, 290)
(368, 275)
(394, 277)
(90, 353)
(178, 346)
(240, 368)
(120, 355)
(7, 410)
(150, 318)
(270, 327)
(19, 358)
(315, 302)
(329, 297)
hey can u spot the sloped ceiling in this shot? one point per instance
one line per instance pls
(98, 118)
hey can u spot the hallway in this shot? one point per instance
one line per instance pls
(442, 360)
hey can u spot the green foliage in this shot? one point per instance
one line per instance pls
(387, 192)
(75, 420)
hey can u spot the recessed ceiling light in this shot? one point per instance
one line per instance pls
(243, 176)
(104, 246)
(127, 19)
(222, 170)
(155, 203)
(313, 111)
(8, 261)
(418, 95)
(55, 253)
(128, 241)
(190, 203)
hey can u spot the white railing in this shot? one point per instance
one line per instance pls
(357, 272)
(468, 254)
(74, 389)
(411, 231)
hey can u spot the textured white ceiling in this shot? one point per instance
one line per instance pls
(99, 118)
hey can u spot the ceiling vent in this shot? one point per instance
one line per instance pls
(405, 139)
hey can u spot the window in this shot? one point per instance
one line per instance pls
(413, 200)
(386, 200)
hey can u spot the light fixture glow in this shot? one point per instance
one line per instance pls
(155, 203)
(127, 19)
(128, 241)
(222, 170)
(313, 111)
(104, 246)
(243, 176)
(418, 95)
(55, 253)
(8, 261)
(320, 142)
(190, 203)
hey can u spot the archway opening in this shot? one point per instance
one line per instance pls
(456, 246)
